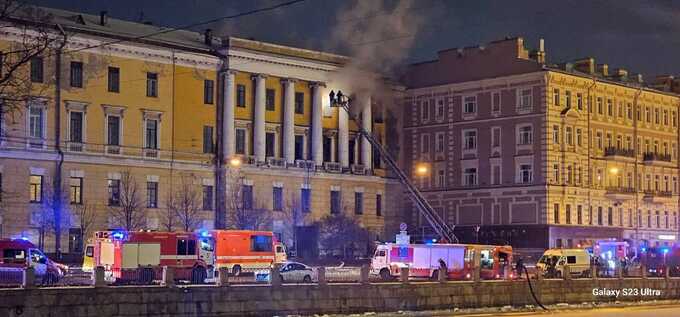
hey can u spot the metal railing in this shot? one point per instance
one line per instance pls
(615, 151)
(651, 156)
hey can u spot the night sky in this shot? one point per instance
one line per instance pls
(641, 36)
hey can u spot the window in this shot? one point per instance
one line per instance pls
(306, 200)
(599, 216)
(556, 173)
(378, 205)
(567, 95)
(525, 100)
(114, 192)
(207, 197)
(567, 214)
(35, 188)
(470, 105)
(151, 194)
(299, 102)
(648, 115)
(36, 120)
(208, 92)
(556, 97)
(76, 127)
(579, 141)
(186, 247)
(666, 220)
(496, 102)
(610, 108)
(570, 174)
(525, 173)
(1, 176)
(441, 178)
(629, 111)
(37, 69)
(470, 139)
(76, 190)
(261, 243)
(241, 96)
(151, 134)
(556, 213)
(579, 214)
(440, 110)
(599, 105)
(425, 111)
(270, 96)
(658, 219)
(240, 141)
(674, 119)
(277, 199)
(496, 174)
(619, 110)
(335, 202)
(151, 84)
(568, 136)
(247, 196)
(208, 146)
(358, 203)
(556, 134)
(113, 130)
(270, 143)
(77, 74)
(579, 101)
(656, 115)
(665, 117)
(598, 139)
(470, 177)
(114, 79)
(439, 146)
(299, 147)
(610, 216)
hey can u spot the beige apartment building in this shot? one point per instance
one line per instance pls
(539, 155)
(161, 112)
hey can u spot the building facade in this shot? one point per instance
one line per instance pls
(116, 123)
(536, 155)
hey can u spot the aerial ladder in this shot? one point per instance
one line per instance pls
(439, 226)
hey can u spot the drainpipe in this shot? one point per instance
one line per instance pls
(220, 172)
(57, 197)
(589, 111)
(635, 167)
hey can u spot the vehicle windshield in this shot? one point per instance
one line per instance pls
(206, 244)
(38, 257)
(544, 259)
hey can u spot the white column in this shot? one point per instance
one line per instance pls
(317, 123)
(289, 120)
(229, 101)
(366, 124)
(343, 137)
(258, 118)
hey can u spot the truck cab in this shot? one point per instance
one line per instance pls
(21, 254)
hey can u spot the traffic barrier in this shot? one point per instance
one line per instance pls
(321, 276)
(643, 273)
(11, 276)
(274, 275)
(98, 275)
(168, 276)
(29, 278)
(403, 275)
(223, 276)
(566, 272)
(365, 269)
(594, 273)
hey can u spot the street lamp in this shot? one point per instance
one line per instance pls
(235, 162)
(422, 169)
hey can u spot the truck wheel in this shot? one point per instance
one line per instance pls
(198, 275)
(307, 279)
(385, 275)
(236, 270)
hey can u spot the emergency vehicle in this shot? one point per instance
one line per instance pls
(660, 259)
(423, 260)
(21, 254)
(139, 256)
(240, 250)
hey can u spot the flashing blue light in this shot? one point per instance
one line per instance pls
(665, 250)
(118, 235)
(434, 240)
(643, 249)
(205, 234)
(24, 238)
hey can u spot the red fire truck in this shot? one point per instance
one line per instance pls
(139, 256)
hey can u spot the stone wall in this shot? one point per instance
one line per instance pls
(310, 299)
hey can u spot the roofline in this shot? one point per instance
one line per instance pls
(612, 82)
(260, 46)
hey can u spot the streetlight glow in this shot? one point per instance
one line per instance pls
(235, 162)
(422, 169)
(614, 170)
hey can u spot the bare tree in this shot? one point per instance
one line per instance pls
(85, 218)
(243, 210)
(184, 203)
(342, 235)
(52, 209)
(128, 211)
(168, 218)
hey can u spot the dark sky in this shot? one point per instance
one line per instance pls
(641, 36)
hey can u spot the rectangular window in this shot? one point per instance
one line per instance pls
(439, 142)
(300, 103)
(629, 111)
(37, 69)
(567, 215)
(36, 119)
(496, 102)
(579, 214)
(186, 247)
(76, 127)
(610, 216)
(299, 147)
(306, 200)
(208, 145)
(665, 117)
(556, 213)
(579, 101)
(77, 74)
(525, 173)
(674, 119)
(358, 203)
(151, 195)
(495, 137)
(270, 143)
(240, 141)
(425, 111)
(270, 96)
(277, 199)
(241, 96)
(208, 92)
(470, 105)
(114, 192)
(151, 85)
(525, 135)
(207, 197)
(470, 177)
(114, 79)
(76, 190)
(151, 134)
(425, 143)
(567, 95)
(556, 134)
(440, 110)
(113, 130)
(568, 136)
(247, 199)
(470, 139)
(599, 216)
(378, 205)
(335, 202)
(599, 105)
(525, 100)
(261, 243)
(579, 137)
(35, 188)
(556, 97)
(610, 108)
(656, 115)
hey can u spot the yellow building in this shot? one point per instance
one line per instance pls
(131, 125)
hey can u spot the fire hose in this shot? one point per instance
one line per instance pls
(531, 288)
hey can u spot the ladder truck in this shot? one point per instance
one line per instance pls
(440, 227)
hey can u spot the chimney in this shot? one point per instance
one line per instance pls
(585, 65)
(207, 37)
(621, 74)
(663, 82)
(539, 55)
(603, 69)
(103, 18)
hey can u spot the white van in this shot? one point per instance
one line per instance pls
(578, 261)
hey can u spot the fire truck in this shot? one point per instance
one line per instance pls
(240, 250)
(139, 256)
(423, 260)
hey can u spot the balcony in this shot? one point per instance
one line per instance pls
(658, 196)
(620, 193)
(618, 153)
(113, 150)
(151, 153)
(359, 169)
(332, 167)
(276, 162)
(75, 147)
(305, 164)
(657, 158)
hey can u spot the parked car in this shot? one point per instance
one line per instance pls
(20, 253)
(297, 272)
